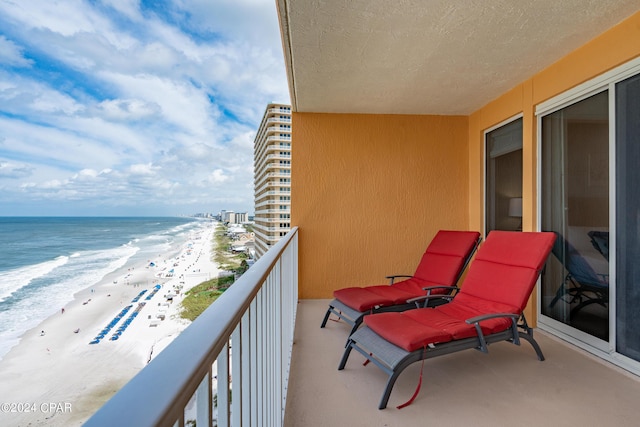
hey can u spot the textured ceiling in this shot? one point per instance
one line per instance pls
(429, 56)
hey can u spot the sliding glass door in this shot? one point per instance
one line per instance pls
(590, 197)
(575, 205)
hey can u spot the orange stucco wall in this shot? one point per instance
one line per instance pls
(609, 50)
(370, 191)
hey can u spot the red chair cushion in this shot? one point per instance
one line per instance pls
(416, 287)
(440, 269)
(520, 249)
(466, 308)
(453, 242)
(394, 294)
(455, 327)
(364, 299)
(445, 256)
(404, 331)
(361, 299)
(506, 267)
(500, 283)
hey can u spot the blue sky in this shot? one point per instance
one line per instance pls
(134, 107)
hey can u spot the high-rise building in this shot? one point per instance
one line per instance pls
(241, 217)
(272, 177)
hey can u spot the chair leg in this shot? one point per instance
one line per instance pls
(326, 317)
(345, 356)
(387, 390)
(397, 370)
(393, 376)
(533, 343)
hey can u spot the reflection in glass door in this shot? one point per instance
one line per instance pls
(575, 205)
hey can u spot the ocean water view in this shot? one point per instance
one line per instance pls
(45, 261)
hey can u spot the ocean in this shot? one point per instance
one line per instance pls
(45, 261)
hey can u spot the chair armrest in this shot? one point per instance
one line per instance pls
(429, 296)
(397, 275)
(431, 288)
(476, 322)
(426, 298)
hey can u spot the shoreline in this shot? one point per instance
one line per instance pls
(59, 379)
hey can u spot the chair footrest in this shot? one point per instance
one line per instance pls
(345, 312)
(386, 352)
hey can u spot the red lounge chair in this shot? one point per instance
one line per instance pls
(487, 309)
(437, 274)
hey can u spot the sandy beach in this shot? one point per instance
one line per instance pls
(55, 377)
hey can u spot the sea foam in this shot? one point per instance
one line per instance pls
(51, 286)
(13, 280)
(82, 252)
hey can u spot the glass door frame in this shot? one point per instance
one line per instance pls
(604, 82)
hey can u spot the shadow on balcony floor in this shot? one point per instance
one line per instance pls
(508, 386)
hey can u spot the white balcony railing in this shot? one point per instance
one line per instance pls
(246, 335)
(280, 110)
(258, 193)
(279, 119)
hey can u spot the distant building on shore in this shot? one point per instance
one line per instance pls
(272, 179)
(232, 217)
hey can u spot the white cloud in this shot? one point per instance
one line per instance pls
(44, 145)
(86, 174)
(127, 109)
(50, 185)
(244, 140)
(52, 102)
(248, 20)
(181, 104)
(156, 56)
(66, 18)
(63, 18)
(129, 8)
(11, 54)
(119, 106)
(146, 169)
(13, 170)
(217, 177)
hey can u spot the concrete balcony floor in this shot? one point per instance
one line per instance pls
(507, 387)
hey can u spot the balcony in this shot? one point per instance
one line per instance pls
(299, 385)
(281, 128)
(274, 202)
(280, 110)
(260, 190)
